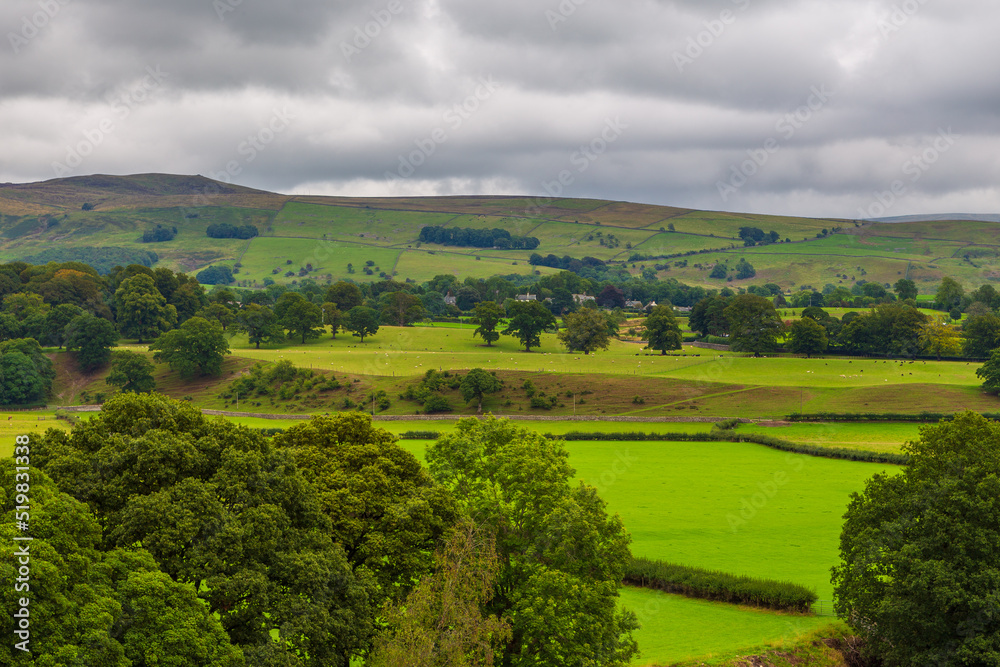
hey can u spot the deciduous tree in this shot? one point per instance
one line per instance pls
(92, 338)
(259, 323)
(488, 317)
(361, 321)
(661, 331)
(807, 336)
(920, 567)
(562, 557)
(197, 347)
(586, 331)
(143, 312)
(528, 319)
(131, 371)
(754, 324)
(477, 383)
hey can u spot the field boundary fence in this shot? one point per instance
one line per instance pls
(823, 608)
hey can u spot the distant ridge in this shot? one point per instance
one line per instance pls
(941, 217)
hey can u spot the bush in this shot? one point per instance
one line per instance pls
(720, 586)
(419, 435)
(543, 402)
(159, 235)
(437, 404)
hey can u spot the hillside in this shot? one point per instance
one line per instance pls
(327, 238)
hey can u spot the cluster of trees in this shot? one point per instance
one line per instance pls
(163, 537)
(215, 275)
(159, 234)
(468, 237)
(566, 263)
(224, 230)
(752, 236)
(744, 270)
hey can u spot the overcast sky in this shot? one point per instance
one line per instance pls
(834, 108)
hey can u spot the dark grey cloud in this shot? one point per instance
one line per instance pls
(784, 106)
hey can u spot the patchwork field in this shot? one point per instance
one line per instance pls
(332, 232)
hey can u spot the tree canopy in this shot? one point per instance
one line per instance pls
(361, 321)
(661, 331)
(754, 325)
(586, 331)
(920, 563)
(131, 371)
(561, 556)
(224, 511)
(197, 347)
(488, 317)
(92, 338)
(528, 319)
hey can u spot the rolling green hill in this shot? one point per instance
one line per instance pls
(320, 237)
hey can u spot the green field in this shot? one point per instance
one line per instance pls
(330, 232)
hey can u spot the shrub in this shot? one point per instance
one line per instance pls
(720, 586)
(437, 404)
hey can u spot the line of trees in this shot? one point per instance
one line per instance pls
(468, 237)
(224, 230)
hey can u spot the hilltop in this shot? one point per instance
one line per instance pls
(102, 219)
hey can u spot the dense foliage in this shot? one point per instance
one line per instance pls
(224, 230)
(721, 586)
(920, 551)
(516, 484)
(159, 234)
(476, 238)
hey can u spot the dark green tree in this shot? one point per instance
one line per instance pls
(982, 336)
(361, 321)
(143, 313)
(401, 308)
(92, 338)
(197, 347)
(383, 506)
(920, 567)
(346, 295)
(905, 289)
(528, 319)
(989, 373)
(476, 384)
(661, 330)
(219, 312)
(949, 294)
(21, 379)
(302, 319)
(561, 556)
(56, 321)
(488, 316)
(131, 371)
(259, 323)
(113, 608)
(225, 512)
(807, 336)
(754, 324)
(708, 316)
(586, 331)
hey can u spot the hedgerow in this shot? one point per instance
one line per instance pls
(719, 586)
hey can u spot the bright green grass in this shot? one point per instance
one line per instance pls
(831, 372)
(677, 628)
(871, 436)
(682, 502)
(13, 424)
(327, 257)
(854, 245)
(567, 238)
(428, 261)
(669, 243)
